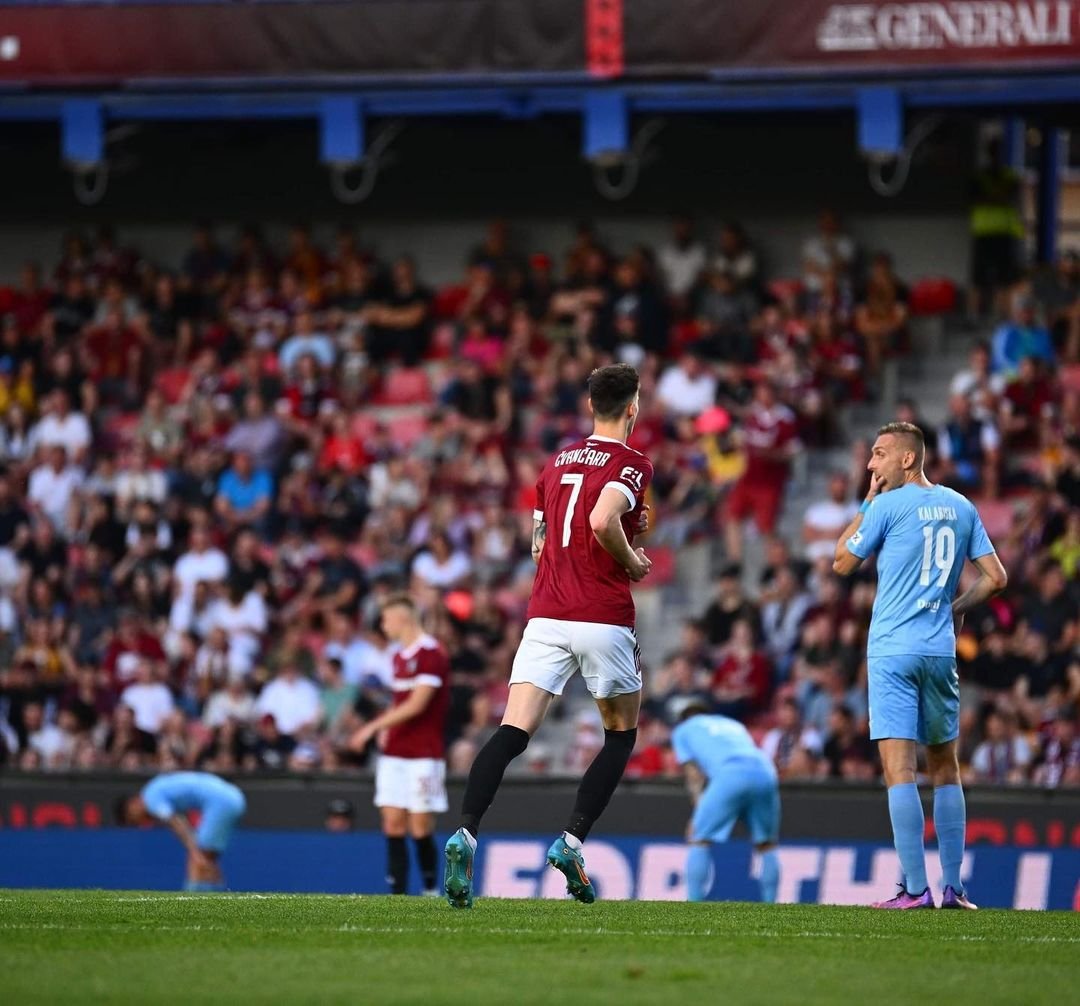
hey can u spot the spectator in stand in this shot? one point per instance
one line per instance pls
(53, 491)
(61, 427)
(1057, 293)
(689, 388)
(149, 699)
(1004, 756)
(784, 607)
(1058, 761)
(682, 261)
(1027, 402)
(729, 605)
(245, 493)
(825, 519)
(978, 383)
(398, 323)
(828, 255)
(260, 434)
(1019, 337)
(770, 440)
(736, 257)
(881, 315)
(440, 565)
(742, 681)
(201, 563)
(681, 683)
(794, 749)
(969, 450)
(292, 701)
(848, 752)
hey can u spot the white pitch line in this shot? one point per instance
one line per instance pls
(524, 931)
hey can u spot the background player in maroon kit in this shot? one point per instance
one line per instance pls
(410, 777)
(590, 502)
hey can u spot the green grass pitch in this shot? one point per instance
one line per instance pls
(142, 947)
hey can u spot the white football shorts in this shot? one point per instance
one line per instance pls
(553, 649)
(416, 784)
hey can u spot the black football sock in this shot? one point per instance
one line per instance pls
(397, 863)
(600, 780)
(426, 858)
(487, 772)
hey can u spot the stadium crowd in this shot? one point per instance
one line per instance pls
(213, 471)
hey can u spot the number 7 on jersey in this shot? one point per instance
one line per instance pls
(576, 481)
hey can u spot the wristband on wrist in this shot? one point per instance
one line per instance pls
(865, 506)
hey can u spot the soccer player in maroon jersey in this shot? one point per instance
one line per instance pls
(410, 776)
(590, 503)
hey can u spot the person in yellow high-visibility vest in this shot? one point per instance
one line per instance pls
(996, 229)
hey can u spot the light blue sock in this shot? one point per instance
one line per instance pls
(698, 868)
(908, 822)
(950, 823)
(769, 880)
(202, 886)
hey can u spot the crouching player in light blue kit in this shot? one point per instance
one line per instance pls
(921, 534)
(168, 797)
(730, 780)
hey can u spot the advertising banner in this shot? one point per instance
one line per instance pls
(513, 866)
(120, 43)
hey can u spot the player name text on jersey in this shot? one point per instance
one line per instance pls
(583, 456)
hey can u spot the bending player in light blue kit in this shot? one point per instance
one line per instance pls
(168, 797)
(921, 534)
(730, 779)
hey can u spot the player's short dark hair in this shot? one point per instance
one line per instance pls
(694, 709)
(399, 600)
(612, 389)
(914, 436)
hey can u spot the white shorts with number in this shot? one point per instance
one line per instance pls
(416, 784)
(553, 649)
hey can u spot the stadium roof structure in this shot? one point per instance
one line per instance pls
(345, 63)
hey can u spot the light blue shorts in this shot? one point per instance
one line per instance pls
(914, 698)
(747, 791)
(218, 821)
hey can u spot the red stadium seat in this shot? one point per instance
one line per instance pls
(932, 295)
(663, 566)
(405, 386)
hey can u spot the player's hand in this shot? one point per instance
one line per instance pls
(643, 520)
(639, 568)
(877, 486)
(360, 740)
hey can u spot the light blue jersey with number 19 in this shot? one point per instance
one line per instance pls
(921, 535)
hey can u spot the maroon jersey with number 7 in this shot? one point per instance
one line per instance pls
(577, 580)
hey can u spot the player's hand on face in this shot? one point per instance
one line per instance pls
(643, 520)
(641, 565)
(877, 486)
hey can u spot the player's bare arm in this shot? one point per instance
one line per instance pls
(695, 781)
(539, 536)
(606, 523)
(418, 700)
(180, 827)
(845, 562)
(992, 580)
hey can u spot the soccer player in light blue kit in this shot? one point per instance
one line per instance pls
(168, 797)
(921, 533)
(729, 779)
